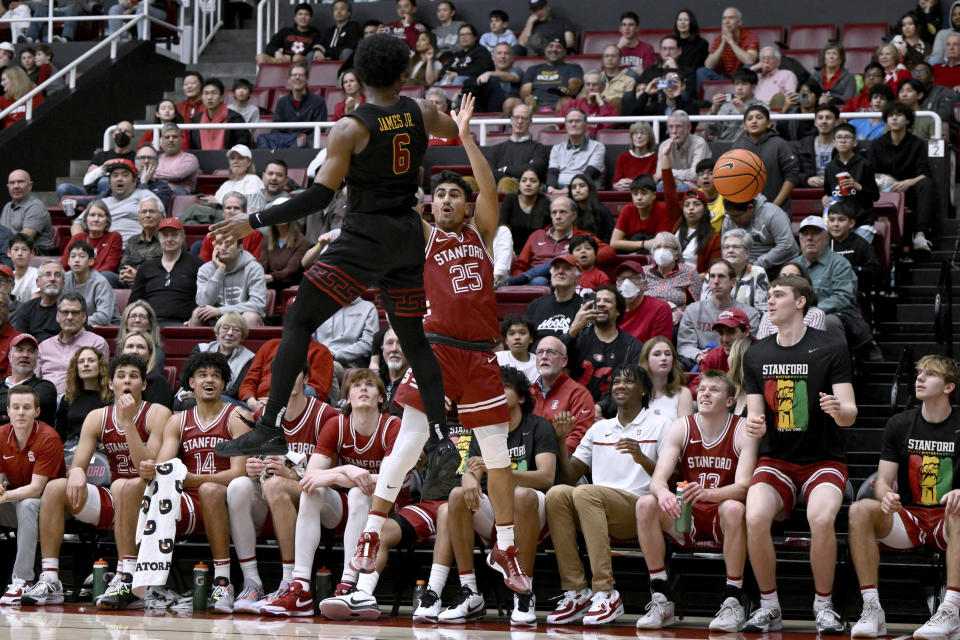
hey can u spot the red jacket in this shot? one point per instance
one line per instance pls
(715, 359)
(566, 394)
(256, 384)
(6, 335)
(541, 247)
(108, 249)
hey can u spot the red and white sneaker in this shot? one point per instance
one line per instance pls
(364, 559)
(571, 607)
(505, 561)
(605, 607)
(14, 592)
(343, 588)
(295, 601)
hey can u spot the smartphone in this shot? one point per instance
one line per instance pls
(589, 297)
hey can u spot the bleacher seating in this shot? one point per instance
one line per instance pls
(324, 74)
(810, 36)
(870, 35)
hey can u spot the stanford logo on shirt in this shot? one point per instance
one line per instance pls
(31, 457)
(555, 405)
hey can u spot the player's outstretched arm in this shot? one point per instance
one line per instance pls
(344, 136)
(437, 124)
(486, 212)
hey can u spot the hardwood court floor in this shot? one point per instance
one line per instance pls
(83, 622)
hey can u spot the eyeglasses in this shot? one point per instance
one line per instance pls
(138, 316)
(69, 312)
(553, 353)
(144, 157)
(230, 329)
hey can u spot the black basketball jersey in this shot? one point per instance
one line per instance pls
(385, 175)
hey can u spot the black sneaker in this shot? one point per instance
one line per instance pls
(442, 465)
(263, 440)
(120, 598)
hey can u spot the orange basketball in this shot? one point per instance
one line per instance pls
(739, 175)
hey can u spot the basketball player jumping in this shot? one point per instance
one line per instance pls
(462, 327)
(379, 150)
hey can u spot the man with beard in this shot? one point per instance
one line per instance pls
(38, 316)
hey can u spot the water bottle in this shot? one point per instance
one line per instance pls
(418, 592)
(682, 523)
(99, 578)
(322, 587)
(201, 584)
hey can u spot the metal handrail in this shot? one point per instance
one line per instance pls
(71, 69)
(943, 308)
(906, 359)
(483, 123)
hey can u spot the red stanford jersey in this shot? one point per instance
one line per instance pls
(303, 432)
(115, 442)
(339, 441)
(197, 441)
(42, 455)
(711, 464)
(458, 279)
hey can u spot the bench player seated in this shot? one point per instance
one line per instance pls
(533, 458)
(191, 436)
(31, 453)
(337, 487)
(129, 430)
(272, 486)
(917, 456)
(715, 456)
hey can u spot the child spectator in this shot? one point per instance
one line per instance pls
(641, 220)
(166, 112)
(100, 298)
(858, 188)
(447, 30)
(242, 90)
(872, 128)
(518, 333)
(714, 199)
(499, 31)
(841, 220)
(727, 104)
(44, 61)
(700, 244)
(107, 245)
(20, 252)
(639, 159)
(584, 249)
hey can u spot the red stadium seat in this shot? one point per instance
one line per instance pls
(123, 297)
(651, 36)
(593, 42)
(332, 97)
(514, 300)
(552, 137)
(412, 92)
(810, 36)
(451, 91)
(711, 87)
(324, 74)
(496, 138)
(767, 36)
(587, 63)
(863, 35)
(170, 373)
(858, 59)
(892, 203)
(298, 175)
(271, 306)
(537, 129)
(525, 62)
(809, 58)
(272, 75)
(613, 136)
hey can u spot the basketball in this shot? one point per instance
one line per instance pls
(739, 175)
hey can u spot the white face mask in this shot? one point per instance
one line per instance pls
(629, 290)
(662, 256)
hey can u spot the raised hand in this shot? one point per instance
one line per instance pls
(463, 114)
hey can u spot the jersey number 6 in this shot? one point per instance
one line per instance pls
(401, 155)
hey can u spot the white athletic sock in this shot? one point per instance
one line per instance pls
(438, 577)
(51, 568)
(287, 572)
(869, 594)
(375, 522)
(221, 568)
(307, 536)
(659, 574)
(469, 579)
(349, 575)
(129, 564)
(367, 582)
(822, 601)
(249, 568)
(952, 598)
(769, 600)
(302, 575)
(505, 536)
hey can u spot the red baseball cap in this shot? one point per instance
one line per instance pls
(6, 271)
(631, 265)
(119, 163)
(566, 258)
(23, 337)
(170, 223)
(696, 193)
(732, 317)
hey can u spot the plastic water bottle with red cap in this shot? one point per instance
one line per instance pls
(682, 523)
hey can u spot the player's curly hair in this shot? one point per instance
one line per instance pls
(202, 360)
(381, 60)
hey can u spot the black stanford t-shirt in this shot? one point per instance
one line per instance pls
(926, 453)
(791, 380)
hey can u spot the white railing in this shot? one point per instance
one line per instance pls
(268, 21)
(484, 123)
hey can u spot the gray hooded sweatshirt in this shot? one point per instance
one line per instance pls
(240, 289)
